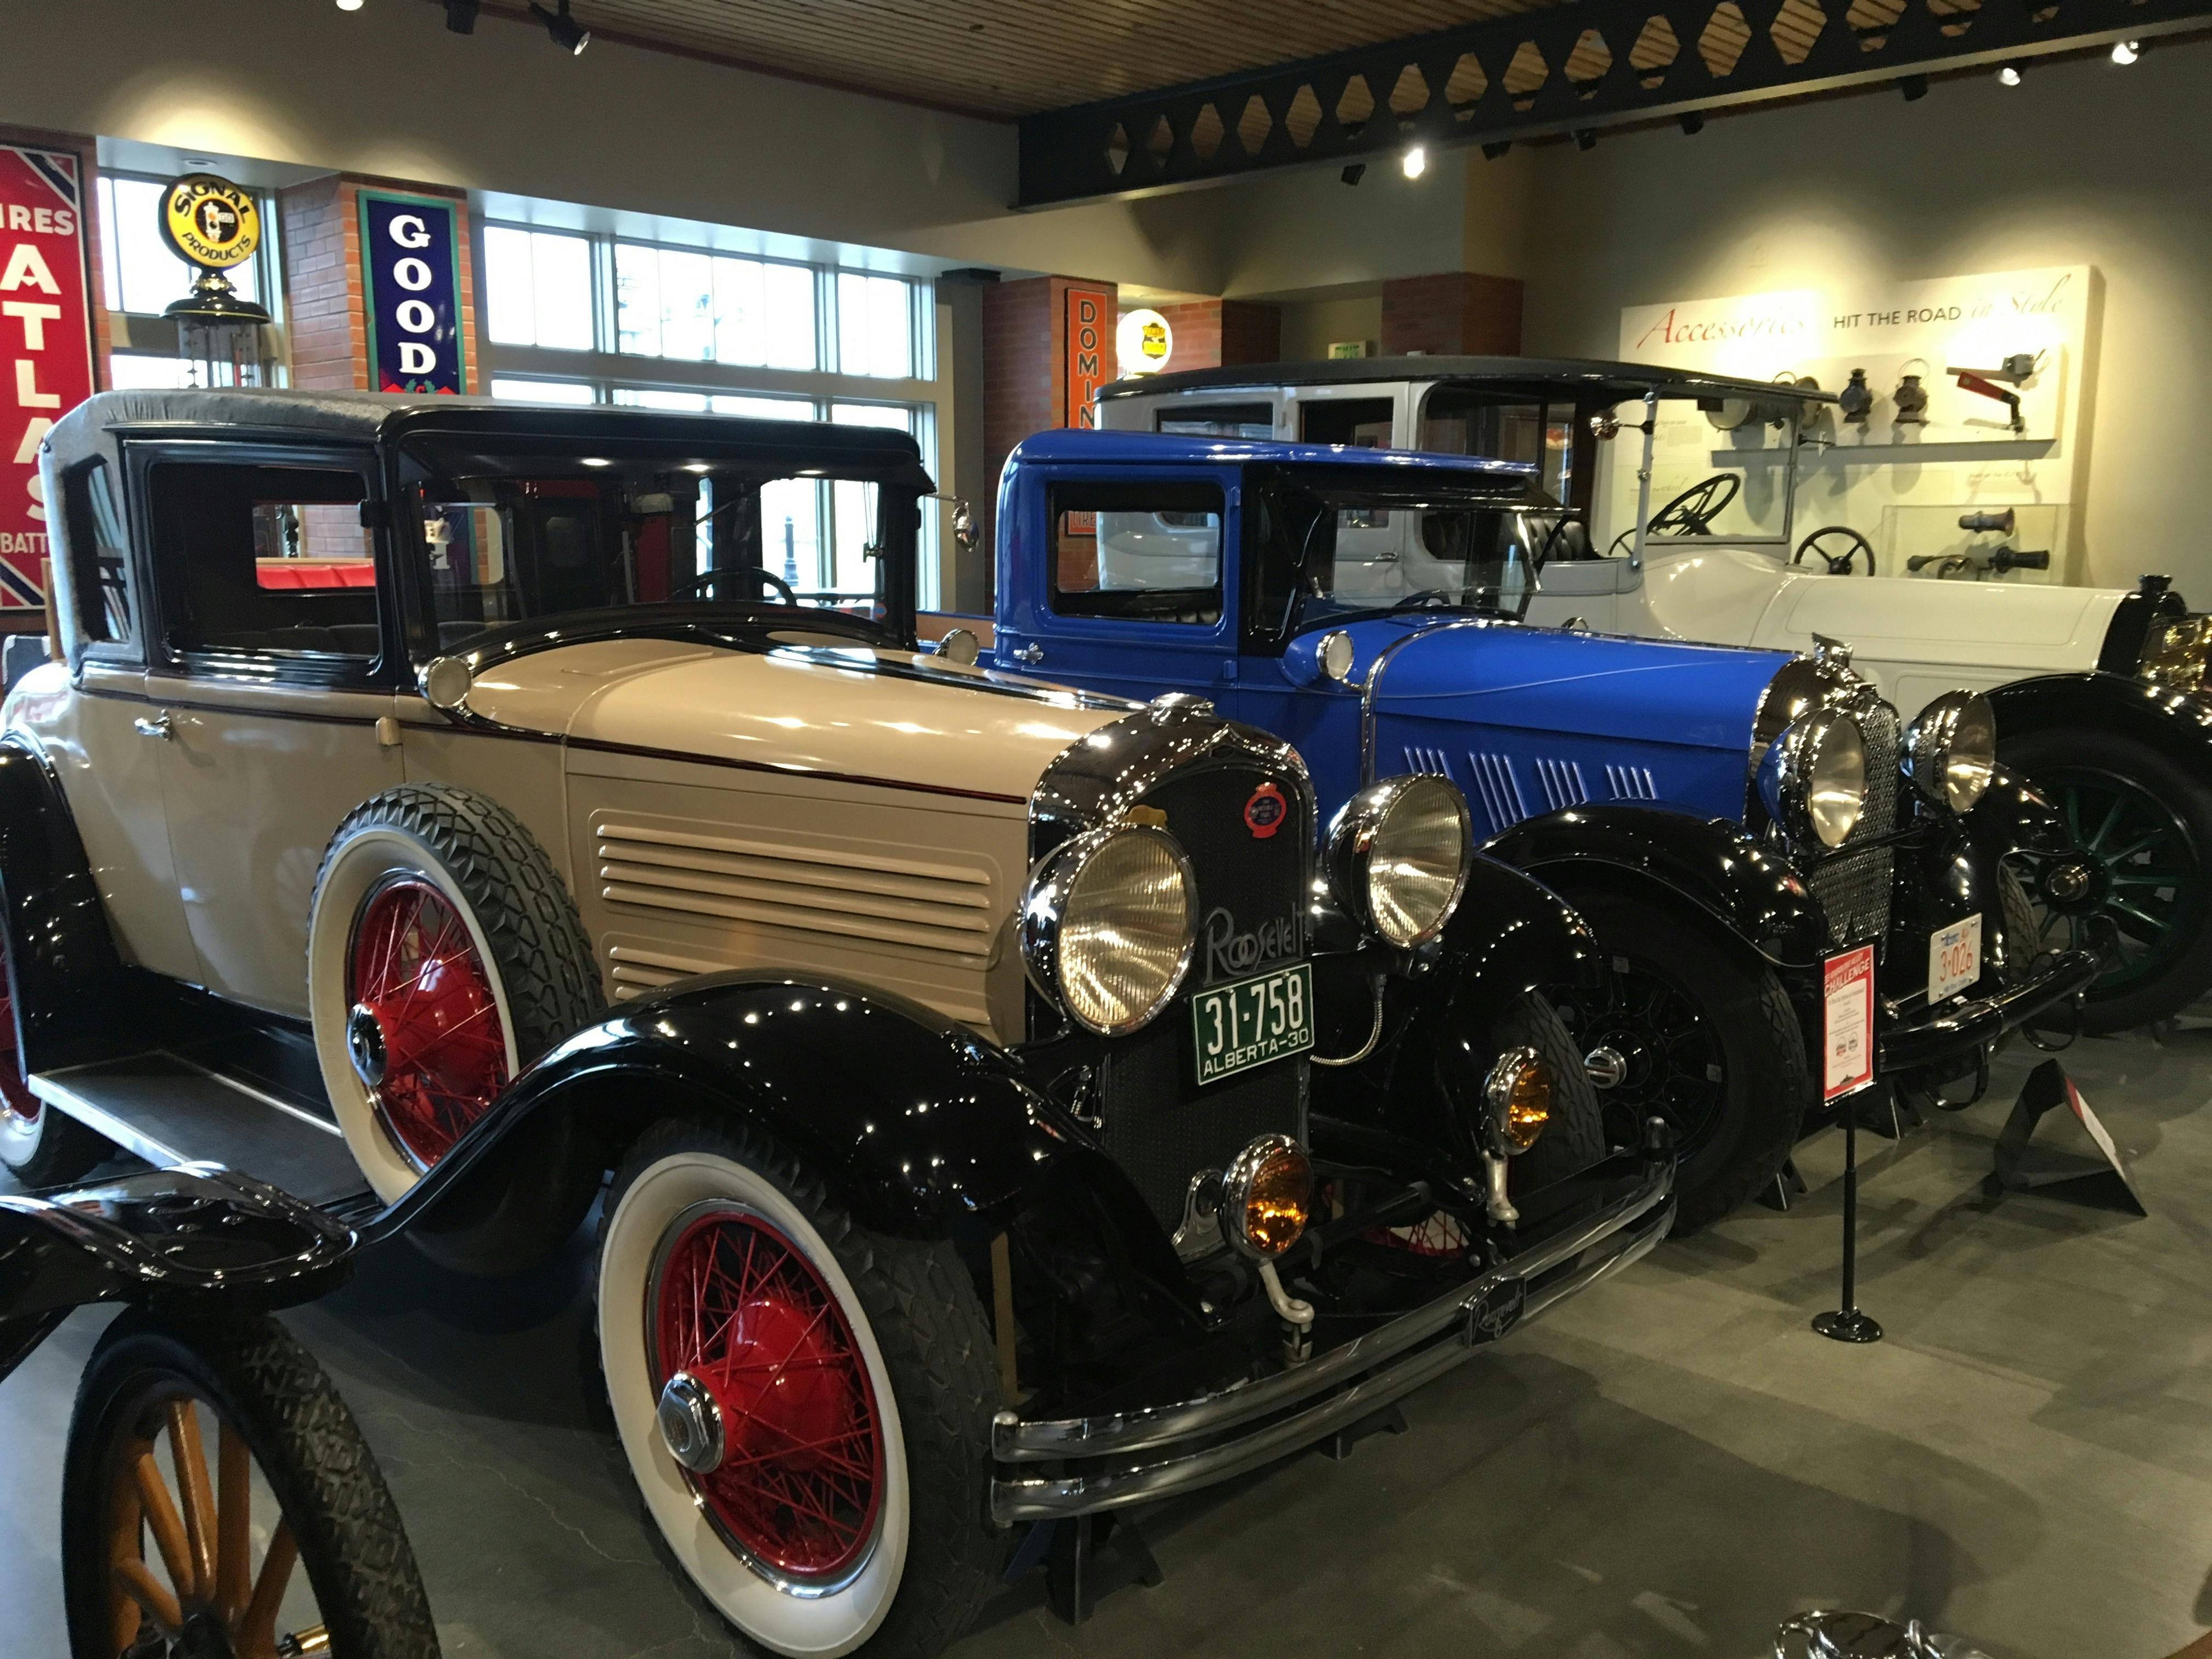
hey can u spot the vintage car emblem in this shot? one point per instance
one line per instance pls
(1498, 1312)
(1265, 812)
(1230, 953)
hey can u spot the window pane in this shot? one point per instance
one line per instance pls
(126, 370)
(765, 409)
(111, 270)
(687, 306)
(874, 326)
(1138, 549)
(740, 312)
(542, 391)
(790, 316)
(538, 288)
(693, 402)
(637, 300)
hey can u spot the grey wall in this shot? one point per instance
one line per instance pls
(2083, 164)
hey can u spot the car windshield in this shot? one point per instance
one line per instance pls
(1721, 468)
(523, 532)
(1334, 544)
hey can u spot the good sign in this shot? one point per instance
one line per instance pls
(411, 290)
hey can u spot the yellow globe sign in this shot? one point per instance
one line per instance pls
(1144, 341)
(211, 221)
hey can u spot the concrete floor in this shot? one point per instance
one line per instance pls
(1662, 1468)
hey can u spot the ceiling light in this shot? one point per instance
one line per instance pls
(1914, 88)
(1693, 124)
(1586, 139)
(2126, 52)
(2008, 75)
(568, 33)
(349, 5)
(1416, 162)
(461, 16)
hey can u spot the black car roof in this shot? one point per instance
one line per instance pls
(878, 452)
(1548, 376)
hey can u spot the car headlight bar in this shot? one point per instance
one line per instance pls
(1398, 855)
(1109, 925)
(1951, 750)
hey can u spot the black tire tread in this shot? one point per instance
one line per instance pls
(62, 1151)
(528, 915)
(1575, 1138)
(352, 1544)
(938, 1348)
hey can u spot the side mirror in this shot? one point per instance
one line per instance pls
(1314, 659)
(959, 647)
(963, 526)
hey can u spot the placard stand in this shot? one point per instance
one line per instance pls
(1084, 1557)
(1847, 1323)
(2106, 1186)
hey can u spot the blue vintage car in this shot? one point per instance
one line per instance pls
(1736, 825)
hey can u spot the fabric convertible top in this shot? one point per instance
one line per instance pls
(1544, 376)
(875, 453)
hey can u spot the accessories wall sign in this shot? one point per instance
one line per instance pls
(211, 221)
(411, 289)
(46, 340)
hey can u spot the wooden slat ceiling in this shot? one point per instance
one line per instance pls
(1009, 57)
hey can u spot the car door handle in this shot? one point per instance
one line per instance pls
(159, 726)
(1032, 654)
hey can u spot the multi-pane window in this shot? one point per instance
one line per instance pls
(709, 307)
(875, 325)
(142, 276)
(521, 390)
(537, 288)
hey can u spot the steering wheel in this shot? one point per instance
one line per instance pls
(1693, 511)
(1439, 598)
(765, 577)
(1839, 564)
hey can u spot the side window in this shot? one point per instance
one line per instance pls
(1143, 550)
(97, 551)
(1362, 422)
(1217, 421)
(267, 561)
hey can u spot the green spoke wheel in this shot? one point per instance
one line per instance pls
(2143, 823)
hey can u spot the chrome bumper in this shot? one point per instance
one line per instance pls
(1971, 1026)
(1135, 1456)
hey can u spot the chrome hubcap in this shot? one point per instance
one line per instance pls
(691, 1424)
(1608, 1068)
(365, 1046)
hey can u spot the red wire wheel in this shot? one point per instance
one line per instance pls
(15, 1097)
(798, 1487)
(424, 1031)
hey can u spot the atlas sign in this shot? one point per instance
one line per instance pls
(410, 288)
(45, 342)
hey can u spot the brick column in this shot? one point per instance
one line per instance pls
(323, 302)
(1455, 312)
(1025, 368)
(1223, 333)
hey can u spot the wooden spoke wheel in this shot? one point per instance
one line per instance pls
(219, 1503)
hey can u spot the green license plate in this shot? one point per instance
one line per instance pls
(1252, 1022)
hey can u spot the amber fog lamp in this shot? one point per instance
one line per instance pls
(1264, 1195)
(1520, 1094)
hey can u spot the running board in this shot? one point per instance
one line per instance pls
(169, 1109)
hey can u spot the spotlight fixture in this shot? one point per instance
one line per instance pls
(1692, 124)
(1416, 162)
(461, 16)
(2126, 52)
(1355, 173)
(1586, 139)
(349, 5)
(2008, 75)
(1914, 88)
(566, 32)
(1491, 152)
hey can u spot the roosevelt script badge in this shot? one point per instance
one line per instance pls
(1265, 812)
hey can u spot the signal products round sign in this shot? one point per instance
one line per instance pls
(211, 221)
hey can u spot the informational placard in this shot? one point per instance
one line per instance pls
(1847, 996)
(1091, 324)
(45, 339)
(410, 289)
(1962, 394)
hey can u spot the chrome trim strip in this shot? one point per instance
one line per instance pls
(1013, 1440)
(1053, 1497)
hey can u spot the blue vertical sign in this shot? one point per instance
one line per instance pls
(411, 286)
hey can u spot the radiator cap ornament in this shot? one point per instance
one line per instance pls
(1265, 812)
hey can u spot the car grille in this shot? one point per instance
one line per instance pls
(1158, 1124)
(1854, 887)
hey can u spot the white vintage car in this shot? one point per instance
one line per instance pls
(1695, 521)
(439, 810)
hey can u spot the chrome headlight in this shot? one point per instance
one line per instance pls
(2175, 653)
(1110, 925)
(1812, 779)
(1951, 750)
(1399, 853)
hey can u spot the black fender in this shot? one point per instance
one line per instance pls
(193, 1239)
(2012, 817)
(920, 1128)
(2178, 724)
(65, 979)
(1718, 867)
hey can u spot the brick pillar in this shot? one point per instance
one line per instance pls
(322, 281)
(1025, 368)
(1454, 313)
(1223, 333)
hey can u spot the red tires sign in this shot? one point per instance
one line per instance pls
(46, 347)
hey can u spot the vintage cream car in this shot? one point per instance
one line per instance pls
(438, 806)
(1695, 521)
